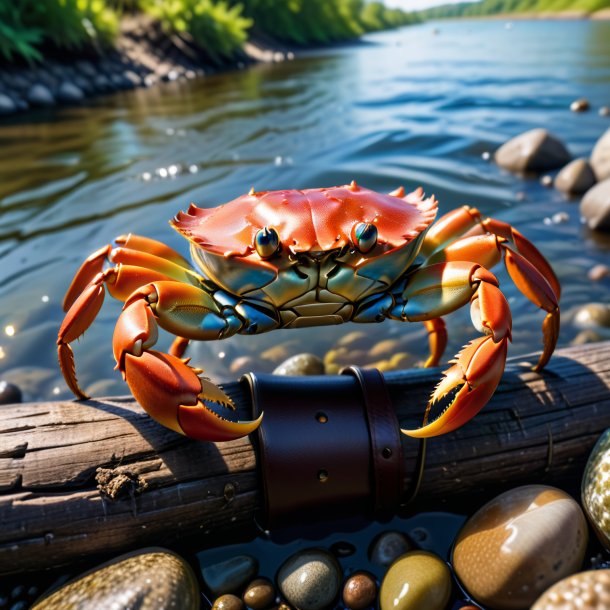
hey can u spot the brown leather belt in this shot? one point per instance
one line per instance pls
(329, 446)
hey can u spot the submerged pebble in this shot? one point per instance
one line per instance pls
(310, 579)
(231, 575)
(519, 544)
(584, 591)
(389, 546)
(150, 578)
(359, 591)
(416, 581)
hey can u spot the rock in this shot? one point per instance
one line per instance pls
(310, 579)
(598, 272)
(301, 364)
(385, 348)
(278, 353)
(243, 364)
(83, 84)
(576, 177)
(150, 578)
(259, 594)
(595, 490)
(102, 84)
(595, 206)
(604, 111)
(133, 78)
(40, 95)
(600, 157)
(7, 106)
(356, 339)
(584, 591)
(359, 591)
(586, 336)
(534, 150)
(417, 580)
(389, 546)
(9, 393)
(546, 181)
(86, 68)
(228, 602)
(592, 315)
(230, 576)
(519, 544)
(580, 105)
(69, 93)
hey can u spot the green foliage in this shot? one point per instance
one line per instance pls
(495, 7)
(27, 24)
(218, 27)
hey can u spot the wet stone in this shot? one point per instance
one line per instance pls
(7, 106)
(40, 95)
(534, 150)
(584, 591)
(600, 157)
(152, 577)
(598, 272)
(593, 315)
(9, 393)
(580, 105)
(230, 576)
(359, 591)
(228, 602)
(259, 594)
(595, 206)
(69, 93)
(389, 546)
(415, 581)
(576, 177)
(310, 579)
(301, 364)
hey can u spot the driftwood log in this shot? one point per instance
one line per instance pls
(100, 477)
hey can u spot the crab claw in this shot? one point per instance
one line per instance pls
(172, 393)
(476, 372)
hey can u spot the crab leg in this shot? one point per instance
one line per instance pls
(437, 290)
(167, 388)
(437, 340)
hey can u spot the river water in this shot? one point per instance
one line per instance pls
(418, 106)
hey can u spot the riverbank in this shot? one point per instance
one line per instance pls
(144, 54)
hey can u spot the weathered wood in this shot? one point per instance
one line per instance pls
(536, 428)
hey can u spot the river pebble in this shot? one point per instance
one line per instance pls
(592, 315)
(598, 272)
(534, 150)
(9, 393)
(301, 364)
(580, 105)
(416, 581)
(231, 575)
(359, 591)
(576, 177)
(7, 106)
(259, 594)
(310, 579)
(389, 546)
(69, 93)
(519, 544)
(595, 206)
(40, 95)
(228, 602)
(150, 578)
(584, 591)
(600, 157)
(595, 491)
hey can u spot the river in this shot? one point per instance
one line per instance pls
(423, 105)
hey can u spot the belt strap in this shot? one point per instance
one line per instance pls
(329, 446)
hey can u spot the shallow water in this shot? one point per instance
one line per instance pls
(419, 106)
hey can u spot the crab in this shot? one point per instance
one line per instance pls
(302, 258)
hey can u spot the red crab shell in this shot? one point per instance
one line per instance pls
(312, 220)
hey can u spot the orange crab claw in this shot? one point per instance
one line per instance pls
(477, 372)
(172, 393)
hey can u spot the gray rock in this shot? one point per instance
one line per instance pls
(83, 84)
(69, 93)
(17, 81)
(9, 393)
(301, 364)
(86, 68)
(7, 106)
(40, 95)
(576, 177)
(310, 579)
(388, 547)
(133, 78)
(102, 83)
(230, 576)
(595, 206)
(600, 157)
(534, 150)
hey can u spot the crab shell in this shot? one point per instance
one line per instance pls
(317, 256)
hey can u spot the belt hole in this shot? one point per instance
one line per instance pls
(386, 453)
(321, 417)
(322, 476)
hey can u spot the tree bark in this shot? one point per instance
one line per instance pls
(100, 477)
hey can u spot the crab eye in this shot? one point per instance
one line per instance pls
(364, 236)
(267, 242)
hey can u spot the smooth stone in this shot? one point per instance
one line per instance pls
(576, 177)
(301, 364)
(310, 579)
(389, 546)
(359, 591)
(598, 272)
(149, 578)
(40, 95)
(595, 490)
(604, 111)
(9, 393)
(534, 150)
(595, 206)
(415, 581)
(7, 106)
(586, 336)
(385, 348)
(583, 591)
(600, 157)
(69, 93)
(227, 602)
(259, 594)
(519, 544)
(356, 339)
(580, 105)
(592, 315)
(546, 181)
(230, 576)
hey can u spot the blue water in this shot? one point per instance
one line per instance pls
(418, 106)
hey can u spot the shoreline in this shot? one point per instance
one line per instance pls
(601, 15)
